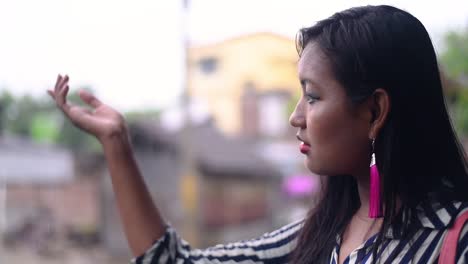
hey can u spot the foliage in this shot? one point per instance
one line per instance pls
(460, 111)
(455, 64)
(39, 120)
(455, 57)
(18, 113)
(43, 128)
(6, 100)
(142, 115)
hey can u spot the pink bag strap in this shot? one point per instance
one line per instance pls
(448, 252)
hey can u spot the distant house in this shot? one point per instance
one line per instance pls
(225, 192)
(236, 188)
(46, 183)
(25, 162)
(220, 74)
(158, 161)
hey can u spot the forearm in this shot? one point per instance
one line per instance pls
(140, 217)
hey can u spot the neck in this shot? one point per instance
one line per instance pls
(363, 184)
(361, 227)
(363, 188)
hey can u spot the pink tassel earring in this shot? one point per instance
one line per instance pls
(375, 210)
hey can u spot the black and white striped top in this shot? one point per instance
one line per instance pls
(276, 247)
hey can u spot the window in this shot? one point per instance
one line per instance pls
(208, 65)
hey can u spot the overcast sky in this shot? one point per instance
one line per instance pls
(130, 51)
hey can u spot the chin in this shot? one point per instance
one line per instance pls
(319, 170)
(312, 167)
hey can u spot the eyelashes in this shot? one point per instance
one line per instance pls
(311, 98)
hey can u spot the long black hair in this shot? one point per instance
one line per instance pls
(417, 151)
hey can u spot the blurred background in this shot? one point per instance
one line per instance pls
(206, 87)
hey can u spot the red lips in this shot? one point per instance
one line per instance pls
(304, 148)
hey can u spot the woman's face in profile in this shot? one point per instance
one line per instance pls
(335, 132)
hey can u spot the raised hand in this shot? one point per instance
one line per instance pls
(100, 120)
(140, 217)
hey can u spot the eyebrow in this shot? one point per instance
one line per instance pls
(306, 80)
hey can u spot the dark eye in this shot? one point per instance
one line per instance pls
(311, 98)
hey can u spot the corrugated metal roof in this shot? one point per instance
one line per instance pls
(22, 161)
(213, 151)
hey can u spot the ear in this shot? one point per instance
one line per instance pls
(380, 108)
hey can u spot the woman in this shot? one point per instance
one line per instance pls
(371, 89)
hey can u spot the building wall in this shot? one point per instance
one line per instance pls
(220, 73)
(161, 174)
(74, 205)
(236, 208)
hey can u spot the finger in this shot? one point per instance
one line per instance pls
(63, 82)
(66, 78)
(64, 92)
(62, 96)
(89, 99)
(57, 83)
(51, 93)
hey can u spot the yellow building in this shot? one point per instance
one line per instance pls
(221, 74)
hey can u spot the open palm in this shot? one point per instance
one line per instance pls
(100, 120)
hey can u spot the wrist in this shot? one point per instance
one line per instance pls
(116, 142)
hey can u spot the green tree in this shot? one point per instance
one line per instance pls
(6, 100)
(44, 127)
(455, 64)
(39, 120)
(455, 56)
(460, 110)
(21, 114)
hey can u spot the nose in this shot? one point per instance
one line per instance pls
(297, 118)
